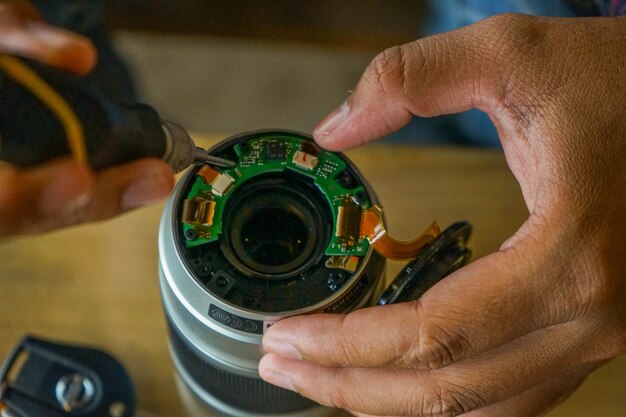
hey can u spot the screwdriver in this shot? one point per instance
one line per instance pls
(46, 113)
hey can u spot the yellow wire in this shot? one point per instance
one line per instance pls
(22, 74)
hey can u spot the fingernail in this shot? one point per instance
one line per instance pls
(68, 190)
(74, 212)
(48, 35)
(276, 378)
(280, 348)
(78, 203)
(333, 120)
(150, 188)
(63, 49)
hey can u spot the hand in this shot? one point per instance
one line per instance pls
(515, 332)
(24, 33)
(63, 192)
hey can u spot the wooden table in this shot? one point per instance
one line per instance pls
(98, 284)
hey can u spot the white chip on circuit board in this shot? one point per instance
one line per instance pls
(305, 160)
(221, 184)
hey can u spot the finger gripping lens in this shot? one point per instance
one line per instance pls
(290, 229)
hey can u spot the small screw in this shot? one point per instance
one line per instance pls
(203, 270)
(360, 197)
(335, 280)
(191, 234)
(221, 282)
(345, 179)
(74, 391)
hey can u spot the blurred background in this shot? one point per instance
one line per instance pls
(223, 67)
(226, 67)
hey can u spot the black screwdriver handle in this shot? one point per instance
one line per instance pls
(31, 132)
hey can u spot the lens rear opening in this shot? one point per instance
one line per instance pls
(276, 226)
(275, 236)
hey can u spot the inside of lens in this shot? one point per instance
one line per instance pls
(275, 235)
(275, 226)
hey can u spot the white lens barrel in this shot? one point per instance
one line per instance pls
(216, 346)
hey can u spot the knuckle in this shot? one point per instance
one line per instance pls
(447, 401)
(512, 29)
(436, 346)
(439, 347)
(388, 70)
(340, 397)
(350, 350)
(518, 45)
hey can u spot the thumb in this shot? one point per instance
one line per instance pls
(441, 74)
(23, 33)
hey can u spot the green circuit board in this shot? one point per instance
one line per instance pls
(270, 154)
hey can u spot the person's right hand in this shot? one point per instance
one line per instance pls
(515, 332)
(63, 192)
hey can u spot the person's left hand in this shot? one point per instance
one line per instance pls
(64, 192)
(515, 332)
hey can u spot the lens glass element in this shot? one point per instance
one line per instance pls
(274, 236)
(275, 227)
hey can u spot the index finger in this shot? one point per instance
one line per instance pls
(24, 33)
(486, 304)
(63, 192)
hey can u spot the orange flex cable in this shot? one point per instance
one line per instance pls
(373, 228)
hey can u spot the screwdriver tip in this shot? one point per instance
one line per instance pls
(202, 157)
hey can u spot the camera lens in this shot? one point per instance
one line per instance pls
(243, 247)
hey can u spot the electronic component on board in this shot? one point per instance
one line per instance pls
(208, 174)
(275, 151)
(348, 263)
(219, 182)
(222, 183)
(348, 226)
(305, 160)
(311, 148)
(198, 211)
